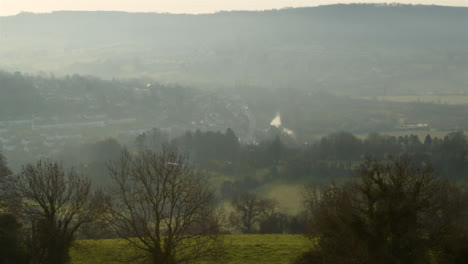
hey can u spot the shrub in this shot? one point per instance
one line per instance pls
(393, 212)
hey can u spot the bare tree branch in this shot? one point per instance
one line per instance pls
(164, 207)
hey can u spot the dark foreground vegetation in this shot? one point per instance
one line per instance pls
(395, 210)
(157, 203)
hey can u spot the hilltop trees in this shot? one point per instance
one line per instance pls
(57, 204)
(393, 212)
(164, 208)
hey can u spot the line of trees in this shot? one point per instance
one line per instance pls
(331, 158)
(212, 150)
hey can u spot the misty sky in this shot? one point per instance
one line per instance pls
(11, 7)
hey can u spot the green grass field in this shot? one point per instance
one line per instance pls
(245, 249)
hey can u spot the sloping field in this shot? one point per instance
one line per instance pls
(245, 249)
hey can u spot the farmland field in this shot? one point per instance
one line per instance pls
(243, 249)
(458, 99)
(420, 133)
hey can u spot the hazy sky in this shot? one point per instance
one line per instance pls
(11, 7)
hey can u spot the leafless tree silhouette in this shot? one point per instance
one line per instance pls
(164, 208)
(58, 203)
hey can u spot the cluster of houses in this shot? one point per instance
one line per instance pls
(36, 138)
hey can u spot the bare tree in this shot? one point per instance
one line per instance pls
(164, 208)
(249, 210)
(58, 203)
(311, 196)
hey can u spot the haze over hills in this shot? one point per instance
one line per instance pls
(347, 49)
(231, 70)
(157, 138)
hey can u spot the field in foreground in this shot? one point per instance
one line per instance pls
(243, 249)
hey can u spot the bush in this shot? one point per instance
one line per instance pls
(12, 249)
(393, 212)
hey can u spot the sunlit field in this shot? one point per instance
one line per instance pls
(243, 249)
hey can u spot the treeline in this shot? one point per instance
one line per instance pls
(249, 166)
(223, 151)
(332, 157)
(448, 155)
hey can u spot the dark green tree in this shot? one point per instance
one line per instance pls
(12, 248)
(9, 200)
(4, 170)
(275, 150)
(428, 140)
(12, 244)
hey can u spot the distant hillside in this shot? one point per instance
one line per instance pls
(371, 49)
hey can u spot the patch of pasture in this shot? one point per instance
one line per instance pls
(241, 249)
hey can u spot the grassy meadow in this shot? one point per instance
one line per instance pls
(245, 249)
